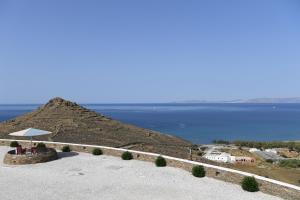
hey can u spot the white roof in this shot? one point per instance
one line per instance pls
(30, 132)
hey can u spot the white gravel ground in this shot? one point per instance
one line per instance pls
(85, 176)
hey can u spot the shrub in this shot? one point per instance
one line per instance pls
(221, 142)
(203, 148)
(284, 156)
(41, 146)
(14, 144)
(250, 184)
(198, 171)
(160, 162)
(66, 148)
(268, 145)
(97, 152)
(195, 147)
(292, 163)
(200, 153)
(269, 161)
(127, 156)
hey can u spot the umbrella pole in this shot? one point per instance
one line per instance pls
(30, 145)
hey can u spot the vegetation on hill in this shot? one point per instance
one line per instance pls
(72, 123)
(292, 163)
(221, 142)
(268, 145)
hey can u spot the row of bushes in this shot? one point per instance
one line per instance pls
(248, 183)
(267, 145)
(96, 151)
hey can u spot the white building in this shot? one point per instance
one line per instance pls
(219, 157)
(253, 150)
(271, 151)
(228, 158)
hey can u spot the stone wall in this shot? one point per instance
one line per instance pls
(11, 158)
(269, 186)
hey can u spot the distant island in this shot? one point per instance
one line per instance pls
(256, 100)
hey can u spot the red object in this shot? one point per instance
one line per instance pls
(24, 151)
(19, 150)
(33, 150)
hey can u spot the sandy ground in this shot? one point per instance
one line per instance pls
(84, 176)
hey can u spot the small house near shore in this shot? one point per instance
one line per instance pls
(228, 158)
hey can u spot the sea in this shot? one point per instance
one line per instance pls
(199, 123)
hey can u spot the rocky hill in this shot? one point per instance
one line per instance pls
(70, 122)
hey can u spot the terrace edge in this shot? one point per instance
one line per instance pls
(267, 185)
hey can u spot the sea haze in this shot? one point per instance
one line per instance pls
(199, 123)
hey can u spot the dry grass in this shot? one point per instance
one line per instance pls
(291, 176)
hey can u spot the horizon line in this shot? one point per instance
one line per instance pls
(200, 101)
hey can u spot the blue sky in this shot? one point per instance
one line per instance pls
(148, 51)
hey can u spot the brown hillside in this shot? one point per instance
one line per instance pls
(70, 122)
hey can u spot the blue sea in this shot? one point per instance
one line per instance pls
(199, 123)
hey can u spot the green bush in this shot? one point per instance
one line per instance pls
(160, 162)
(269, 145)
(250, 184)
(221, 142)
(291, 163)
(41, 146)
(127, 156)
(198, 171)
(66, 148)
(14, 144)
(97, 152)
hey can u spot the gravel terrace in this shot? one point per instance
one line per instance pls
(84, 176)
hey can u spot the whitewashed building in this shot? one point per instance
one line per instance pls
(219, 157)
(271, 151)
(253, 150)
(228, 158)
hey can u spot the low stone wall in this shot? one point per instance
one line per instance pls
(11, 158)
(269, 186)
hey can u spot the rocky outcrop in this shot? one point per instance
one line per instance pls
(70, 122)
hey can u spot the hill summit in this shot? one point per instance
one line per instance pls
(70, 122)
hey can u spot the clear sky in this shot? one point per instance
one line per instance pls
(148, 51)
